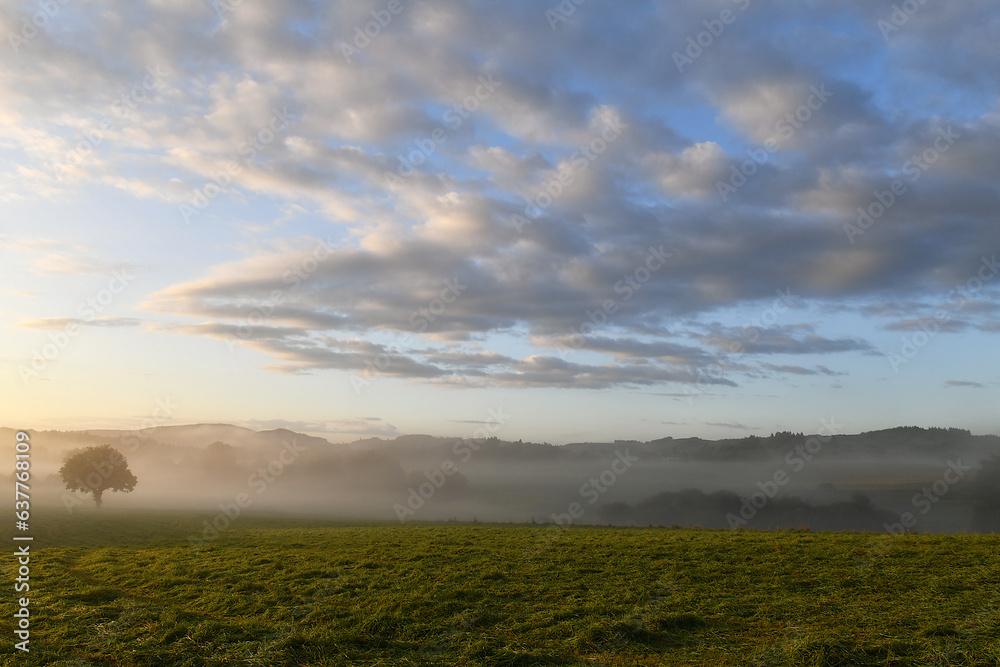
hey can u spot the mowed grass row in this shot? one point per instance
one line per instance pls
(280, 592)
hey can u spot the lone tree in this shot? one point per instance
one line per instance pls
(96, 470)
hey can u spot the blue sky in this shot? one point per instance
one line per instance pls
(601, 220)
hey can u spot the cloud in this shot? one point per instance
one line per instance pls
(50, 257)
(736, 426)
(694, 172)
(964, 383)
(947, 326)
(492, 180)
(61, 323)
(21, 293)
(800, 370)
(781, 340)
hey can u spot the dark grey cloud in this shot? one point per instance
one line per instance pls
(781, 340)
(947, 326)
(735, 426)
(964, 383)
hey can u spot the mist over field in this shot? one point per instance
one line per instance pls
(857, 482)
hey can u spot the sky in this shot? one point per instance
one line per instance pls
(559, 222)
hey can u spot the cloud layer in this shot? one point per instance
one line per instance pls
(518, 198)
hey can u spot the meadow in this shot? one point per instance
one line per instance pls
(120, 588)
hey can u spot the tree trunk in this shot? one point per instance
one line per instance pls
(97, 497)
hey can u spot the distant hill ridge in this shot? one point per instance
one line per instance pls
(894, 441)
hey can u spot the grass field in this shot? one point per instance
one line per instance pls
(128, 589)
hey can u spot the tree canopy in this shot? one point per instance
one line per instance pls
(96, 470)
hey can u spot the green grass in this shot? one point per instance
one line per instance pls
(123, 589)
